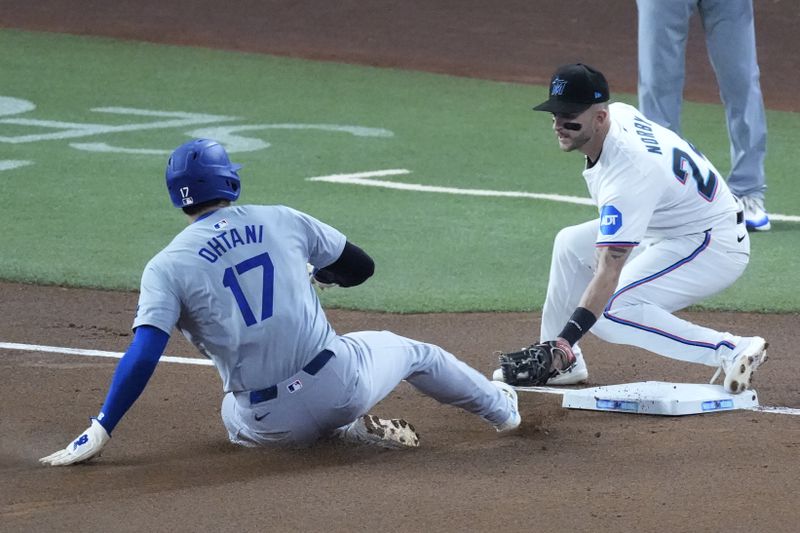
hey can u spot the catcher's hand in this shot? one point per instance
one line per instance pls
(321, 284)
(537, 363)
(87, 445)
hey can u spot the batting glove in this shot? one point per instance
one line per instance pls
(321, 285)
(83, 448)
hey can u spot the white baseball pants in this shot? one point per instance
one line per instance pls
(658, 279)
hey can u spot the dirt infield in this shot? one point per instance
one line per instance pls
(169, 466)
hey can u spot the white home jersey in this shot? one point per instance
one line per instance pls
(650, 183)
(235, 283)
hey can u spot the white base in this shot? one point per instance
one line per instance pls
(659, 398)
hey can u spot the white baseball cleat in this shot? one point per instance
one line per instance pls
(497, 375)
(739, 370)
(369, 429)
(577, 373)
(755, 215)
(514, 420)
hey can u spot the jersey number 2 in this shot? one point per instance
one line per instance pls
(682, 164)
(232, 282)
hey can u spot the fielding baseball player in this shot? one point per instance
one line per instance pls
(730, 38)
(235, 282)
(669, 234)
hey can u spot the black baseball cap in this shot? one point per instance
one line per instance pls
(574, 88)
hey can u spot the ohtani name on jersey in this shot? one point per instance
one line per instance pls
(229, 239)
(645, 133)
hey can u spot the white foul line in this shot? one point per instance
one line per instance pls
(546, 390)
(362, 178)
(207, 362)
(98, 353)
(11, 164)
(776, 410)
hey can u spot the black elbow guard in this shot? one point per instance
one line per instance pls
(352, 268)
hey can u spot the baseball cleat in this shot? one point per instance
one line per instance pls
(369, 429)
(739, 370)
(577, 373)
(755, 215)
(514, 420)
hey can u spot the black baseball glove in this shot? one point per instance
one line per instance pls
(536, 364)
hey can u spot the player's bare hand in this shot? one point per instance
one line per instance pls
(86, 446)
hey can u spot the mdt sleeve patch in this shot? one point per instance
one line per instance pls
(610, 220)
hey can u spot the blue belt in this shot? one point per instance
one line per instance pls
(270, 393)
(740, 217)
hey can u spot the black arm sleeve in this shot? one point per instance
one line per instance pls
(352, 268)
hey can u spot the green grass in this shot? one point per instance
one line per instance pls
(94, 219)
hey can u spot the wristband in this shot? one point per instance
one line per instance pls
(578, 324)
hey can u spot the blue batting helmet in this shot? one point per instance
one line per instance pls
(199, 171)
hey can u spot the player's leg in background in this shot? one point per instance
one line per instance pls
(663, 30)
(730, 39)
(385, 359)
(671, 275)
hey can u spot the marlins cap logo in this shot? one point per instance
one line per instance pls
(557, 88)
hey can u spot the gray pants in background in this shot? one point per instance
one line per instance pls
(730, 40)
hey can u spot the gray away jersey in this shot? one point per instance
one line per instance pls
(236, 284)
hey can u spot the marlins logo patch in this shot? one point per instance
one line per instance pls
(610, 220)
(557, 88)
